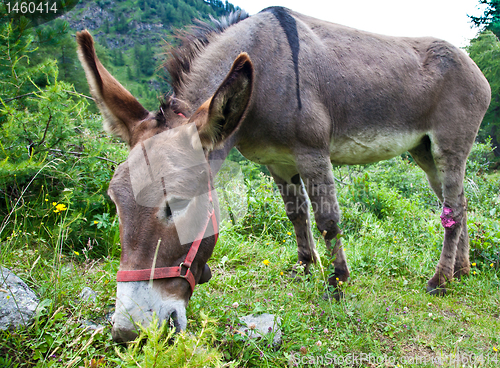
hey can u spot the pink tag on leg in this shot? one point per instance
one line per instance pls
(446, 220)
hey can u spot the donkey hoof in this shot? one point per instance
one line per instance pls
(436, 291)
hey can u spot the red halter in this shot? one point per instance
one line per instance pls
(184, 269)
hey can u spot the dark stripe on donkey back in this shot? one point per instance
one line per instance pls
(289, 25)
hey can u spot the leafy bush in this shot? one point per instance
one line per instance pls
(53, 164)
(362, 191)
(485, 51)
(480, 158)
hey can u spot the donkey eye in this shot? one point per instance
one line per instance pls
(174, 206)
(168, 211)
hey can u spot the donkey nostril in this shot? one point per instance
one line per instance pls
(123, 336)
(175, 320)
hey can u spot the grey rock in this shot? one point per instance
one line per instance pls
(88, 295)
(259, 326)
(17, 301)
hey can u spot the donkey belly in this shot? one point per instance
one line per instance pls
(368, 147)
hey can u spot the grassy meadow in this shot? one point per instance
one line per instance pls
(392, 238)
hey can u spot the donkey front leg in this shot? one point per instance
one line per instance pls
(297, 209)
(317, 175)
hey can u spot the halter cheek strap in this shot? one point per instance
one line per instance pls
(184, 269)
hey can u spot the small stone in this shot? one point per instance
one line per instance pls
(17, 301)
(260, 326)
(88, 295)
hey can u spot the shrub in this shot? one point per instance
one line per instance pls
(50, 154)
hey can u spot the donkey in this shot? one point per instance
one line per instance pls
(296, 94)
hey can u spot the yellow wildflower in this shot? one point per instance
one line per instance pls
(474, 272)
(281, 273)
(491, 265)
(289, 233)
(96, 222)
(76, 253)
(474, 264)
(284, 240)
(46, 200)
(59, 207)
(266, 262)
(495, 349)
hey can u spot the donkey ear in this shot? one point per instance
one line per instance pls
(219, 116)
(121, 111)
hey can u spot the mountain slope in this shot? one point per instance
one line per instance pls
(131, 36)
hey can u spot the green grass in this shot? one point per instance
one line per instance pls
(392, 238)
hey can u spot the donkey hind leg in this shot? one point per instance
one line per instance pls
(317, 176)
(297, 209)
(447, 182)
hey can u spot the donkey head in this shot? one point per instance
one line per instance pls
(163, 192)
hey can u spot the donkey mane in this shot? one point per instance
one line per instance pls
(192, 42)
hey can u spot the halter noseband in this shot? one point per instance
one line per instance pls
(184, 269)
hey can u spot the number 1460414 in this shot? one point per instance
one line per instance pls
(31, 7)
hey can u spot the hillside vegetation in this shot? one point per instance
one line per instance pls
(132, 36)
